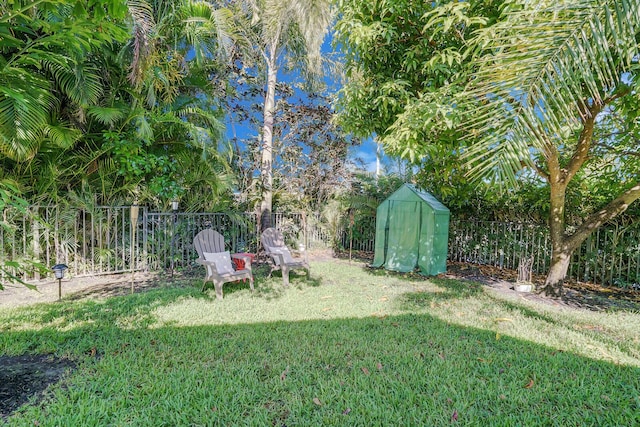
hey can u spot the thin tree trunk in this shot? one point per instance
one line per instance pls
(378, 159)
(559, 257)
(266, 165)
(560, 250)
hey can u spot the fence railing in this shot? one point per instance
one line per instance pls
(169, 236)
(500, 244)
(100, 241)
(90, 242)
(610, 256)
(358, 235)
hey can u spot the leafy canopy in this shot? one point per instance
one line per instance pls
(545, 69)
(44, 46)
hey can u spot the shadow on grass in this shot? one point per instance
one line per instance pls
(271, 288)
(450, 289)
(381, 272)
(367, 371)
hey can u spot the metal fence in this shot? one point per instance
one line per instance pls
(610, 256)
(500, 244)
(358, 235)
(169, 236)
(90, 242)
(101, 240)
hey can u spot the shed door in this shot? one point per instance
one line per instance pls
(402, 241)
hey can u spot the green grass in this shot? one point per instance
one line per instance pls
(350, 347)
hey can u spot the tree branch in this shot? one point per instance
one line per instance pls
(540, 171)
(581, 153)
(610, 211)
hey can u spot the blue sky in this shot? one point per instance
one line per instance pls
(365, 151)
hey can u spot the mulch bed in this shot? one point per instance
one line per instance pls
(22, 377)
(578, 294)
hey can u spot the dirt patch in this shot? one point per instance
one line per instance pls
(76, 288)
(576, 294)
(23, 377)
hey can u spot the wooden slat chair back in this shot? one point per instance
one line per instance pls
(208, 241)
(211, 254)
(281, 258)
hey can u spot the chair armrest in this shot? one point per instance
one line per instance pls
(277, 258)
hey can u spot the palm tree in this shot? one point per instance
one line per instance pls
(283, 30)
(163, 100)
(44, 50)
(550, 70)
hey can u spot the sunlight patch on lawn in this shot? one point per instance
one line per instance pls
(551, 326)
(340, 290)
(336, 290)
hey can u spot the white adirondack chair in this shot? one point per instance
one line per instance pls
(273, 244)
(211, 254)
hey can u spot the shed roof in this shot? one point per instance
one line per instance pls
(423, 195)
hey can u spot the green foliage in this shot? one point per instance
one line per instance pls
(504, 86)
(45, 49)
(570, 57)
(405, 62)
(126, 112)
(406, 65)
(134, 163)
(9, 198)
(571, 70)
(355, 208)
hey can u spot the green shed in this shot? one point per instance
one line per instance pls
(412, 230)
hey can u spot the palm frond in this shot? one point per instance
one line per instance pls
(545, 66)
(78, 81)
(141, 13)
(107, 115)
(208, 29)
(25, 102)
(313, 18)
(207, 118)
(144, 130)
(62, 135)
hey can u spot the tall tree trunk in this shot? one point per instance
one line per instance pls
(378, 158)
(266, 165)
(558, 177)
(559, 257)
(557, 273)
(563, 245)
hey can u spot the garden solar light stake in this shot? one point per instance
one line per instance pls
(58, 271)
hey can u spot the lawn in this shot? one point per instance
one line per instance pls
(349, 347)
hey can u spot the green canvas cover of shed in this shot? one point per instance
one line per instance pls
(412, 231)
